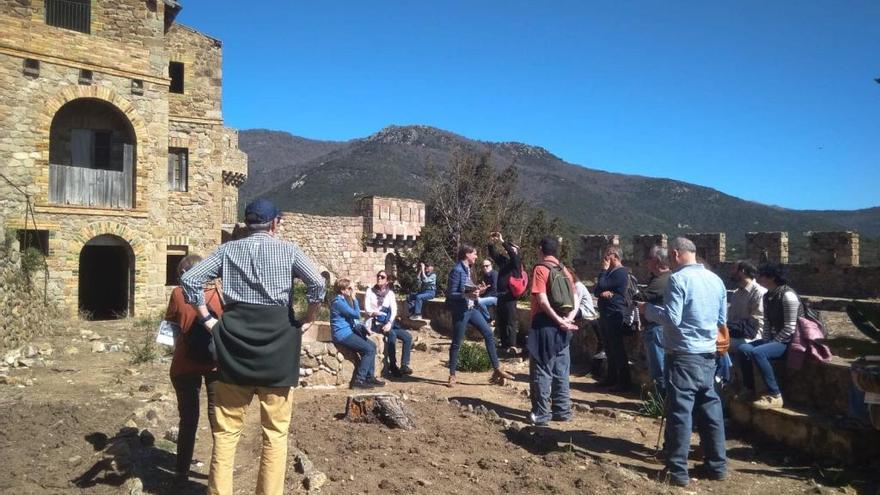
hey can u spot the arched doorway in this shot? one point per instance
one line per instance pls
(91, 155)
(106, 278)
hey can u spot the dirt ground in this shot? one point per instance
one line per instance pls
(65, 421)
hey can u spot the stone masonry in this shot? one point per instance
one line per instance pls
(52, 77)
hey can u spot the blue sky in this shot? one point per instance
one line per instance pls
(770, 101)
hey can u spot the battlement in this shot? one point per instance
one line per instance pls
(832, 269)
(391, 222)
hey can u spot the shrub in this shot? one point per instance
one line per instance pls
(146, 351)
(652, 403)
(473, 357)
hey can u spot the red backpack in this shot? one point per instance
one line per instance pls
(518, 285)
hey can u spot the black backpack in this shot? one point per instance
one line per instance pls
(199, 342)
(631, 321)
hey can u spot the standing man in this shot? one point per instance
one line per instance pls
(658, 265)
(745, 319)
(427, 290)
(550, 338)
(509, 266)
(611, 292)
(257, 340)
(695, 306)
(490, 296)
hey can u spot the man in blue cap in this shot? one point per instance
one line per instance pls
(257, 340)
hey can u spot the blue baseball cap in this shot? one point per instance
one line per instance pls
(261, 211)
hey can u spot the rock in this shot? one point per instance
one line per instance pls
(73, 461)
(424, 482)
(302, 464)
(94, 336)
(421, 346)
(30, 351)
(309, 361)
(340, 357)
(585, 408)
(152, 415)
(146, 388)
(11, 357)
(131, 424)
(46, 350)
(114, 348)
(99, 347)
(315, 481)
(132, 486)
(71, 350)
(158, 397)
(516, 426)
(8, 380)
(171, 434)
(26, 363)
(132, 372)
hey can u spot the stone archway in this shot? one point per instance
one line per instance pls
(106, 278)
(107, 95)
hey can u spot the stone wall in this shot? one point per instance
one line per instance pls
(351, 247)
(833, 269)
(202, 82)
(23, 311)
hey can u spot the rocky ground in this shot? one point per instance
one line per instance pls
(77, 417)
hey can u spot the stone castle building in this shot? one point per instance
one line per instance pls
(114, 158)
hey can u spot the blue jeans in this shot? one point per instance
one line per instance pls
(652, 338)
(690, 393)
(367, 351)
(391, 345)
(417, 300)
(460, 320)
(484, 303)
(548, 387)
(760, 352)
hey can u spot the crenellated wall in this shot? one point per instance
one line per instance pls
(833, 269)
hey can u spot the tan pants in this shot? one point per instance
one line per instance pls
(231, 402)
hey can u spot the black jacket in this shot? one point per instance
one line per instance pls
(508, 266)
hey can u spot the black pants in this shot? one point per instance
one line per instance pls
(615, 351)
(187, 388)
(507, 323)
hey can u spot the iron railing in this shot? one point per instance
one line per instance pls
(70, 14)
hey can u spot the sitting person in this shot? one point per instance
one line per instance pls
(489, 297)
(782, 307)
(345, 313)
(427, 290)
(745, 317)
(381, 308)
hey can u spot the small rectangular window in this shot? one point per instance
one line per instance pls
(176, 72)
(37, 239)
(178, 159)
(137, 87)
(31, 67)
(174, 254)
(75, 15)
(85, 76)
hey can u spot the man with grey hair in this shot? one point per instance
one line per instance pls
(694, 306)
(652, 338)
(257, 340)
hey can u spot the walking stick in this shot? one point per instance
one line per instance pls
(662, 422)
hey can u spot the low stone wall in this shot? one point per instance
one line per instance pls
(23, 313)
(324, 364)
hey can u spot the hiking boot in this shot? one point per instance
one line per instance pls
(372, 380)
(451, 382)
(406, 370)
(702, 472)
(534, 422)
(361, 385)
(394, 371)
(664, 477)
(499, 376)
(769, 402)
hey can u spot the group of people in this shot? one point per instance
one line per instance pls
(255, 339)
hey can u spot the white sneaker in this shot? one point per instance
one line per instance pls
(769, 402)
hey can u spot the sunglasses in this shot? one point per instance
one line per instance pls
(381, 276)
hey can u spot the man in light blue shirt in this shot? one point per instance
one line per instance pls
(695, 304)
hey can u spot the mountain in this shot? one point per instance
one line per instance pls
(322, 178)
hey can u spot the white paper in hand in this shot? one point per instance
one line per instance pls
(167, 332)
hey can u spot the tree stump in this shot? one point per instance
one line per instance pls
(382, 408)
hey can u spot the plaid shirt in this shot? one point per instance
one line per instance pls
(258, 269)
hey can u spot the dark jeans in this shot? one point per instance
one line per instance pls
(690, 394)
(652, 338)
(391, 345)
(366, 349)
(549, 388)
(507, 322)
(187, 388)
(611, 326)
(760, 352)
(460, 320)
(417, 300)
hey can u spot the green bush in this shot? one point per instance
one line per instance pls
(473, 357)
(146, 351)
(32, 260)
